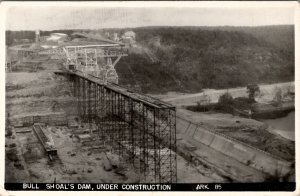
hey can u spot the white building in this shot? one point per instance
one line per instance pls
(128, 38)
(56, 37)
(129, 34)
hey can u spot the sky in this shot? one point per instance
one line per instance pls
(64, 17)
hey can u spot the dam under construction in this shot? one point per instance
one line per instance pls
(68, 120)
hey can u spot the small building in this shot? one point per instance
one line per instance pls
(128, 38)
(129, 34)
(57, 37)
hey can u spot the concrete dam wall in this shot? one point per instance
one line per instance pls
(240, 151)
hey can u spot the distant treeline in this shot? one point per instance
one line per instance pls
(193, 58)
(281, 36)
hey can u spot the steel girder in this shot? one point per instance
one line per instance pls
(142, 133)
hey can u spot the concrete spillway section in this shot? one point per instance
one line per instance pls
(240, 151)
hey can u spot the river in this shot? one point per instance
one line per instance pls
(267, 92)
(284, 126)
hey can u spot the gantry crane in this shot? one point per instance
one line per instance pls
(98, 59)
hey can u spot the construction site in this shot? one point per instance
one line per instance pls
(68, 120)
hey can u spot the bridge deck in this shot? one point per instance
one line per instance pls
(148, 100)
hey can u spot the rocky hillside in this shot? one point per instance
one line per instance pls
(188, 59)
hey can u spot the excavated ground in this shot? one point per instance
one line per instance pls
(42, 92)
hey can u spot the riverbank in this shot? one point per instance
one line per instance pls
(284, 126)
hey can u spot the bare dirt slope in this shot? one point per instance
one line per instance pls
(37, 92)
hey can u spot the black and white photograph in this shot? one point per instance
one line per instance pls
(149, 96)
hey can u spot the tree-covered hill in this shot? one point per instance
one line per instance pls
(192, 58)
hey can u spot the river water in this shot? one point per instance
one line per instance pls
(284, 126)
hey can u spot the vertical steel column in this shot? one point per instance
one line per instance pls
(92, 101)
(131, 129)
(113, 120)
(80, 97)
(104, 106)
(96, 98)
(139, 132)
(155, 147)
(76, 89)
(127, 131)
(100, 131)
(89, 103)
(157, 136)
(120, 123)
(165, 155)
(102, 112)
(149, 147)
(173, 147)
(84, 100)
(143, 155)
(110, 119)
(74, 78)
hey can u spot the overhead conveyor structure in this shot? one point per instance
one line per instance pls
(136, 126)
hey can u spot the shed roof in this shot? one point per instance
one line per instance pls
(96, 37)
